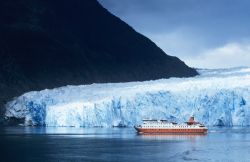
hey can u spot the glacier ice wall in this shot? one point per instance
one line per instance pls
(216, 97)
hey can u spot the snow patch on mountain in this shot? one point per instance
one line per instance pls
(216, 97)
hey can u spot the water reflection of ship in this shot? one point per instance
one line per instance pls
(172, 137)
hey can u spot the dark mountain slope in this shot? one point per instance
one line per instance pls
(52, 43)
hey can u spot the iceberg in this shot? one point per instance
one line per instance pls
(215, 97)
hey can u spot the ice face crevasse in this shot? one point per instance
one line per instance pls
(216, 97)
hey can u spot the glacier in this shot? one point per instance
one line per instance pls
(215, 97)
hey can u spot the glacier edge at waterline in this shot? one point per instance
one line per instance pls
(216, 97)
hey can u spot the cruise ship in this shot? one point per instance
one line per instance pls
(164, 126)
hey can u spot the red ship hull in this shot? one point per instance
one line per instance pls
(155, 130)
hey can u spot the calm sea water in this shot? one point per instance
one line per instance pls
(121, 144)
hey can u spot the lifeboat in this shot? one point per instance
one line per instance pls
(164, 126)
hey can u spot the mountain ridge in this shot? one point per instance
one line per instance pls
(48, 44)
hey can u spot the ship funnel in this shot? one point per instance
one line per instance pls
(191, 120)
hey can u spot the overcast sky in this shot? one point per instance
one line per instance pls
(204, 34)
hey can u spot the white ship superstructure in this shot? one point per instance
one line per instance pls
(164, 126)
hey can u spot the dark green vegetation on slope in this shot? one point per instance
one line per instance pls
(52, 43)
